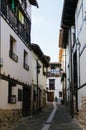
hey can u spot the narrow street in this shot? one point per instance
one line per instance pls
(53, 117)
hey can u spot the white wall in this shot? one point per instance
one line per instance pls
(41, 77)
(15, 70)
(81, 35)
(58, 85)
(4, 96)
(12, 68)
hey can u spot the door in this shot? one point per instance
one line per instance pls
(26, 101)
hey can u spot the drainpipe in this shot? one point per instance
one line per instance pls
(0, 34)
(71, 83)
(37, 82)
(78, 71)
(65, 82)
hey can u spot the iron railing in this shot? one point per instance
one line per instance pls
(22, 30)
(13, 56)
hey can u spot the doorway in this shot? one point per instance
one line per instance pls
(26, 102)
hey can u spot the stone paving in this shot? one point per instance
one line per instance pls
(61, 120)
(35, 122)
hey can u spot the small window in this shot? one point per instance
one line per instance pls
(12, 51)
(25, 63)
(20, 95)
(11, 97)
(60, 94)
(13, 4)
(38, 67)
(21, 17)
(51, 84)
(53, 69)
(44, 70)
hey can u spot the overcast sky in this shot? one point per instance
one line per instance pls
(45, 26)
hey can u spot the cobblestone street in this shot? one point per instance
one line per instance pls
(61, 120)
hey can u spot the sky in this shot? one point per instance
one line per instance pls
(46, 21)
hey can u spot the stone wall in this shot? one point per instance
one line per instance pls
(81, 117)
(9, 117)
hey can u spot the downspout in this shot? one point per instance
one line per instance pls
(65, 82)
(37, 82)
(0, 35)
(78, 71)
(71, 83)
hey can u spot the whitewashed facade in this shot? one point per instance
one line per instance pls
(80, 18)
(40, 63)
(15, 55)
(53, 83)
(74, 40)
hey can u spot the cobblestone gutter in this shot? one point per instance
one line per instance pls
(9, 117)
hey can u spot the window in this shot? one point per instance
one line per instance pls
(12, 51)
(21, 17)
(25, 63)
(60, 93)
(51, 84)
(11, 97)
(38, 67)
(53, 70)
(44, 70)
(20, 95)
(13, 5)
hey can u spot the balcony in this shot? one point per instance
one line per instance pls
(13, 56)
(12, 18)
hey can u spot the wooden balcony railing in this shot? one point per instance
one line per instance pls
(11, 17)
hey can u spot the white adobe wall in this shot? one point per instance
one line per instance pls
(15, 70)
(58, 85)
(4, 96)
(41, 77)
(33, 68)
(81, 35)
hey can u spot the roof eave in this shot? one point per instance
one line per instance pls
(34, 3)
(68, 14)
(37, 50)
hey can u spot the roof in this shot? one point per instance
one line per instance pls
(68, 14)
(68, 19)
(37, 50)
(34, 2)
